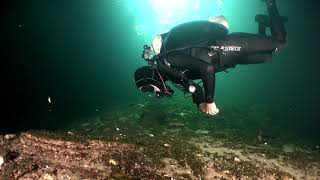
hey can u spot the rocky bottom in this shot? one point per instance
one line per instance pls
(48, 155)
(137, 143)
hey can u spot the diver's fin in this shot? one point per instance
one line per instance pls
(269, 2)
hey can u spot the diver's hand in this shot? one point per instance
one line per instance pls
(209, 108)
(155, 88)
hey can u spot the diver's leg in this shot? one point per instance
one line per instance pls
(256, 58)
(249, 43)
(264, 22)
(278, 30)
(254, 49)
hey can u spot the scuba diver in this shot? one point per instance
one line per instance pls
(197, 50)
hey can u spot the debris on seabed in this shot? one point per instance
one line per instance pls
(176, 124)
(236, 159)
(48, 177)
(10, 136)
(167, 145)
(201, 131)
(151, 135)
(289, 148)
(1, 160)
(113, 162)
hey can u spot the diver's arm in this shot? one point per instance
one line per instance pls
(198, 95)
(182, 62)
(174, 75)
(208, 77)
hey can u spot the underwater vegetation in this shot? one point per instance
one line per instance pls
(157, 139)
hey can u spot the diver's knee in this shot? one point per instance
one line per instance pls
(209, 69)
(282, 43)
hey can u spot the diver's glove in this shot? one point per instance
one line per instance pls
(209, 108)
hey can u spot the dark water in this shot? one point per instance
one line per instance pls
(82, 54)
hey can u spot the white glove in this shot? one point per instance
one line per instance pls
(209, 108)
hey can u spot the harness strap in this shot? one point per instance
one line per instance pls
(163, 83)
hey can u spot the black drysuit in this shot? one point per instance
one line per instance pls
(198, 50)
